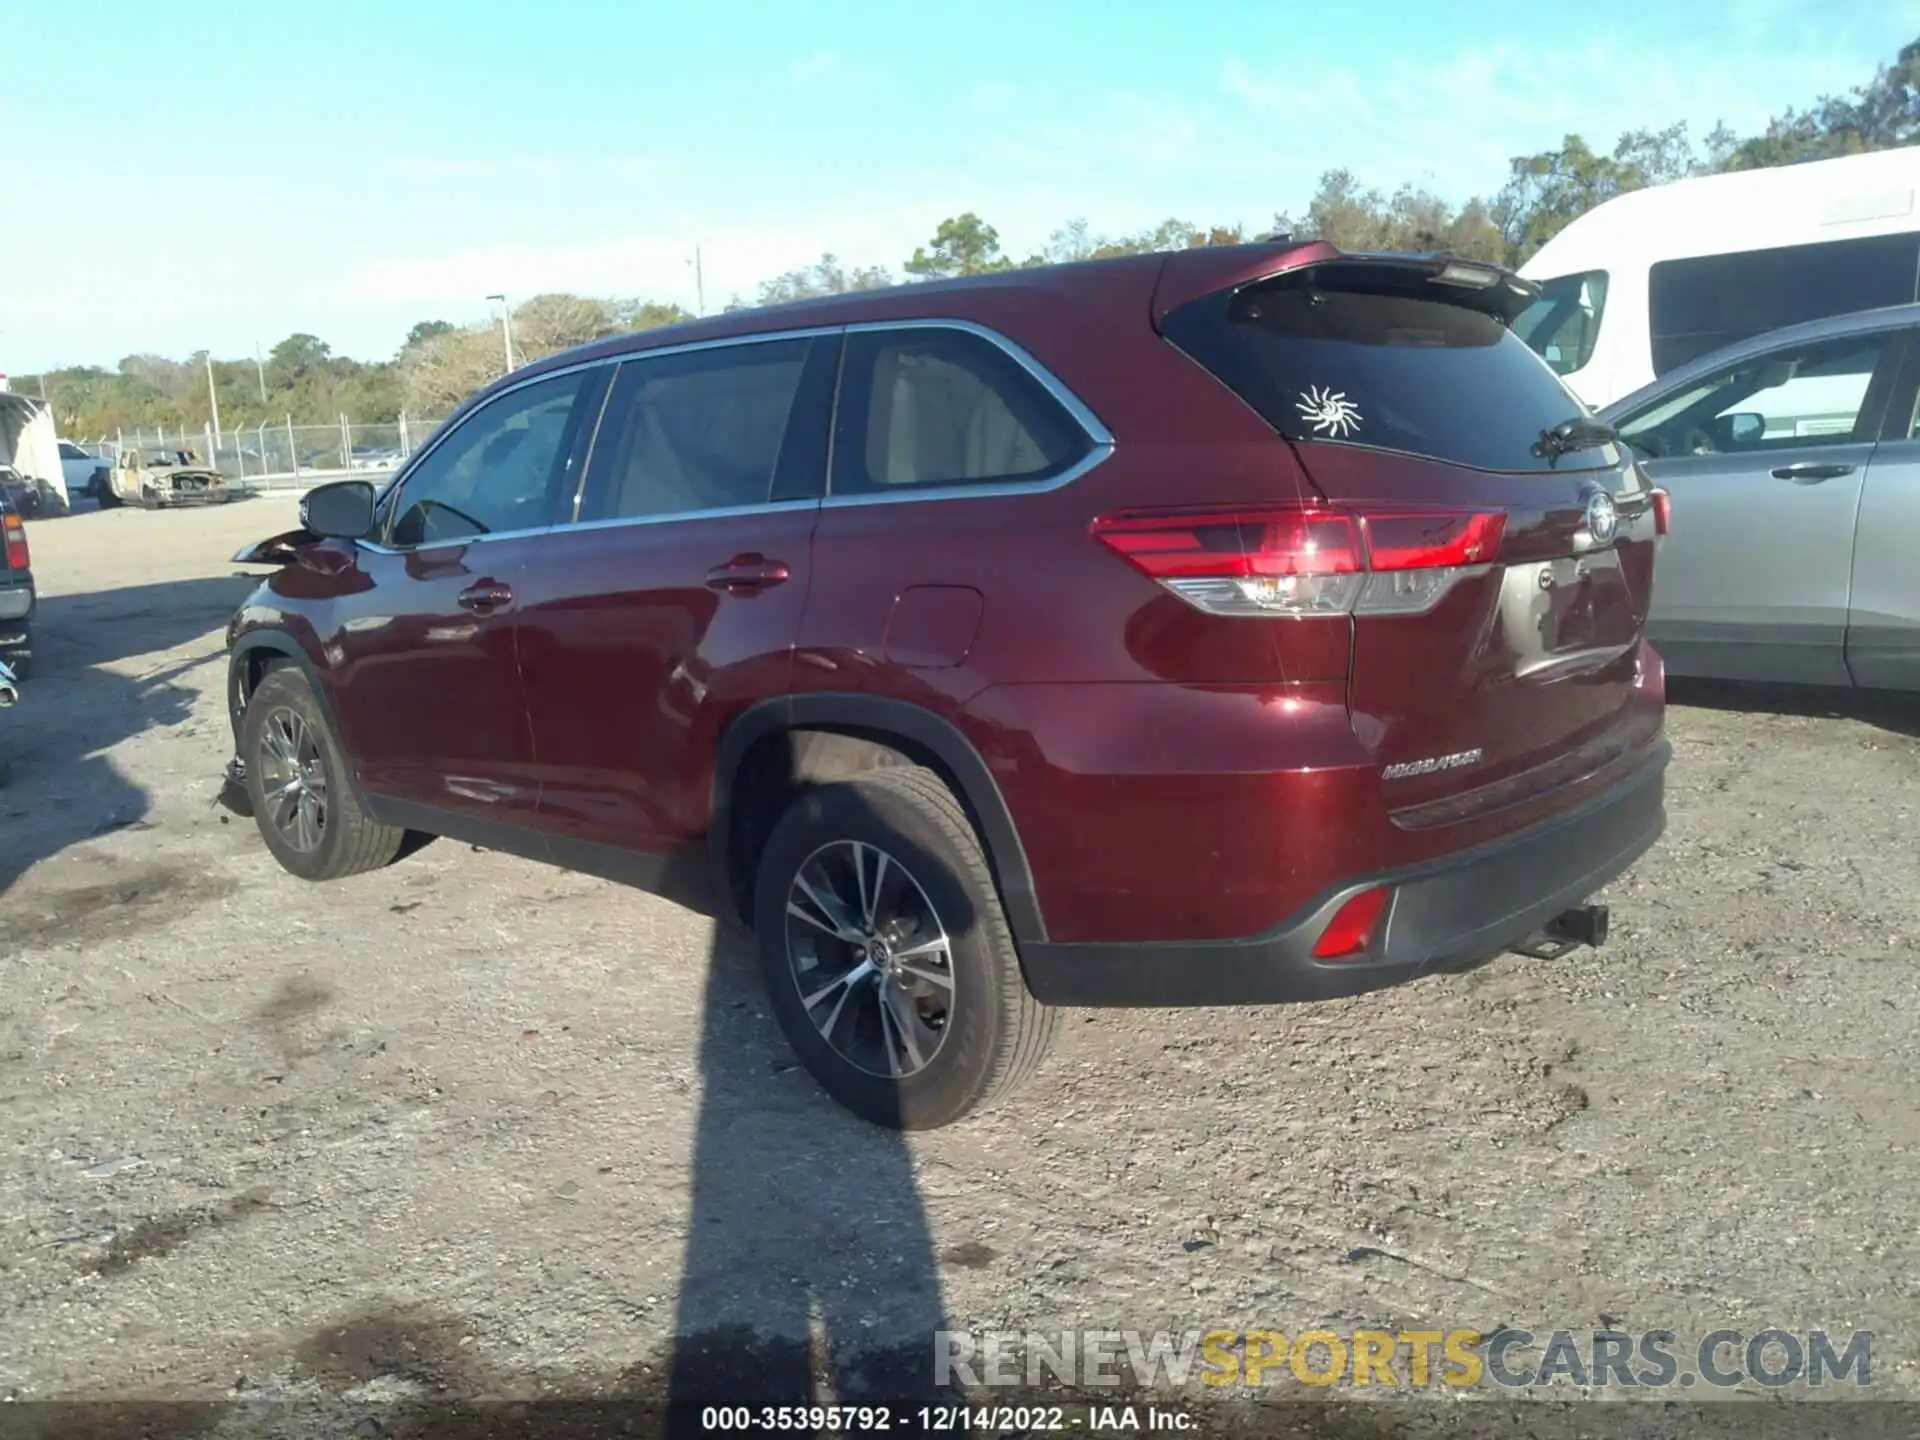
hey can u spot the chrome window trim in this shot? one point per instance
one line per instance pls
(1101, 438)
(620, 522)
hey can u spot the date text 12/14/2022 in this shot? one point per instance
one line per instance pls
(942, 1419)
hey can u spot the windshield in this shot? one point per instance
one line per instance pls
(1563, 324)
(1367, 356)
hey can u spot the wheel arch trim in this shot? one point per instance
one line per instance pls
(286, 647)
(883, 717)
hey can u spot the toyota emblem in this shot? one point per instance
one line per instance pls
(1603, 521)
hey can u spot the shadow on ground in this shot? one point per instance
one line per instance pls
(1890, 710)
(810, 1278)
(86, 693)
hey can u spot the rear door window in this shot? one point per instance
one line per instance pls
(1360, 354)
(694, 431)
(931, 407)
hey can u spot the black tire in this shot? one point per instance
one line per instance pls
(149, 500)
(108, 500)
(283, 713)
(993, 1033)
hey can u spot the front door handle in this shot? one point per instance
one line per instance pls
(1811, 472)
(745, 574)
(486, 596)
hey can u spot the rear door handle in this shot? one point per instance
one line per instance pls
(486, 596)
(1811, 472)
(745, 574)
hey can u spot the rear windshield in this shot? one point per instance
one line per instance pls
(1362, 355)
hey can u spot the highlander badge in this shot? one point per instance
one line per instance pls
(1455, 761)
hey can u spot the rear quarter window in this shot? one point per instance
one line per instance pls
(930, 408)
(1351, 355)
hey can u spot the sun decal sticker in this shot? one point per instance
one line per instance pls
(1329, 412)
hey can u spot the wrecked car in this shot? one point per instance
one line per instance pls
(161, 479)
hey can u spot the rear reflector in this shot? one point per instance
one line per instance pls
(1350, 931)
(17, 557)
(1662, 512)
(1306, 560)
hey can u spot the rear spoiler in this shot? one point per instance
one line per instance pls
(1477, 284)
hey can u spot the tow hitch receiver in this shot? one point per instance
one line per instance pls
(1569, 930)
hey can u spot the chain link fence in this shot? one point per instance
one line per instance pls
(283, 454)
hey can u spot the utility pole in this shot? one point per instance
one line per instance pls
(699, 284)
(260, 366)
(506, 327)
(213, 401)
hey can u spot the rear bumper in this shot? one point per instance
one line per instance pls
(1446, 915)
(16, 604)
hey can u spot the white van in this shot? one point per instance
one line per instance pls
(1651, 279)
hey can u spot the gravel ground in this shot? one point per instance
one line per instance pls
(475, 1127)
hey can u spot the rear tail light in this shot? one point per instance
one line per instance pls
(1307, 560)
(17, 557)
(1350, 932)
(1662, 512)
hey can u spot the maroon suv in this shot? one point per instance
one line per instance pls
(1239, 625)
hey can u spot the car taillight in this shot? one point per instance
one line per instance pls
(1350, 932)
(1662, 512)
(1307, 560)
(17, 557)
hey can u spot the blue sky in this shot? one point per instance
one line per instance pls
(349, 169)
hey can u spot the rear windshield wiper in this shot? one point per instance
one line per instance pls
(1576, 433)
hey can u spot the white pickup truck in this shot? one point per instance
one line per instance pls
(85, 474)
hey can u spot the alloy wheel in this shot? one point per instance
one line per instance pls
(293, 780)
(870, 958)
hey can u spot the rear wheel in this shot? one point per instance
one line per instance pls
(888, 960)
(298, 788)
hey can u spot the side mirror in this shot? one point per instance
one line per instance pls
(340, 511)
(1744, 427)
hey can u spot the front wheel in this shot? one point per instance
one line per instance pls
(888, 960)
(297, 784)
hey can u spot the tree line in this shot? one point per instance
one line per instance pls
(440, 363)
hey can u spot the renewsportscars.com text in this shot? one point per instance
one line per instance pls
(1507, 1358)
